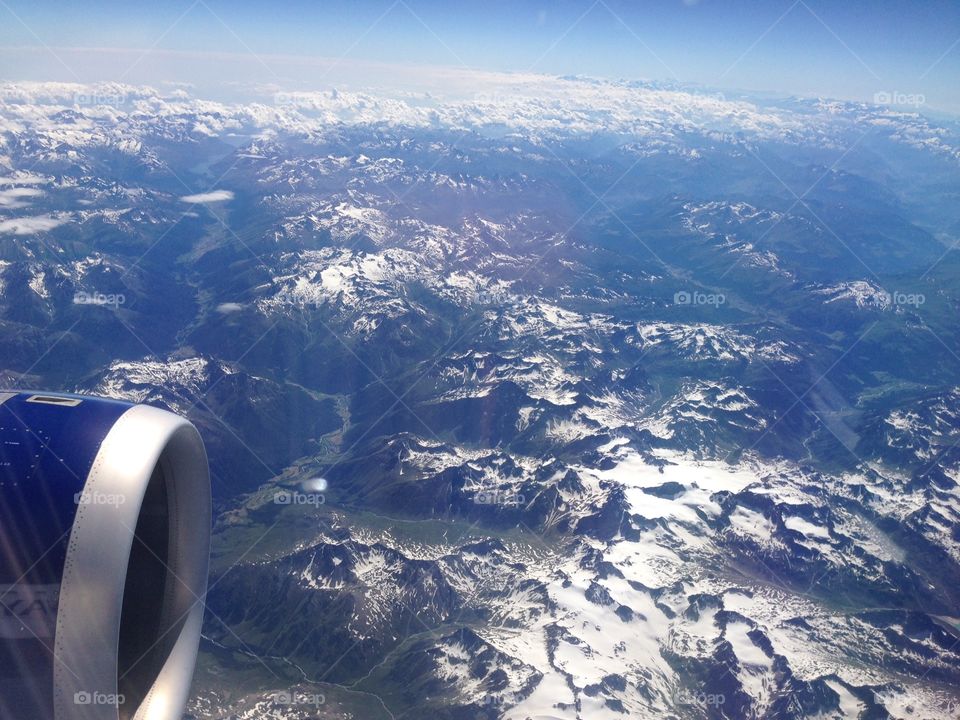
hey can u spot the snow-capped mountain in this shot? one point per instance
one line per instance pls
(551, 402)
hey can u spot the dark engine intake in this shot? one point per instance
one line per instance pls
(104, 546)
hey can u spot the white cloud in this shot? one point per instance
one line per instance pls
(540, 106)
(30, 225)
(209, 197)
(14, 197)
(24, 179)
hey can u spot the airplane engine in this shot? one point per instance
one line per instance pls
(104, 548)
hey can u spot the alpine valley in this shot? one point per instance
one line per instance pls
(573, 399)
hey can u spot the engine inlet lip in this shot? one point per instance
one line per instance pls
(87, 637)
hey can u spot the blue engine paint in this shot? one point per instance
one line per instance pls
(46, 452)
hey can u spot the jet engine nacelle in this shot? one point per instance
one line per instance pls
(104, 547)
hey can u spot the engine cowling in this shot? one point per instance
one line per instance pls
(104, 548)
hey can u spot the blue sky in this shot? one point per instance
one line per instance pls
(848, 49)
